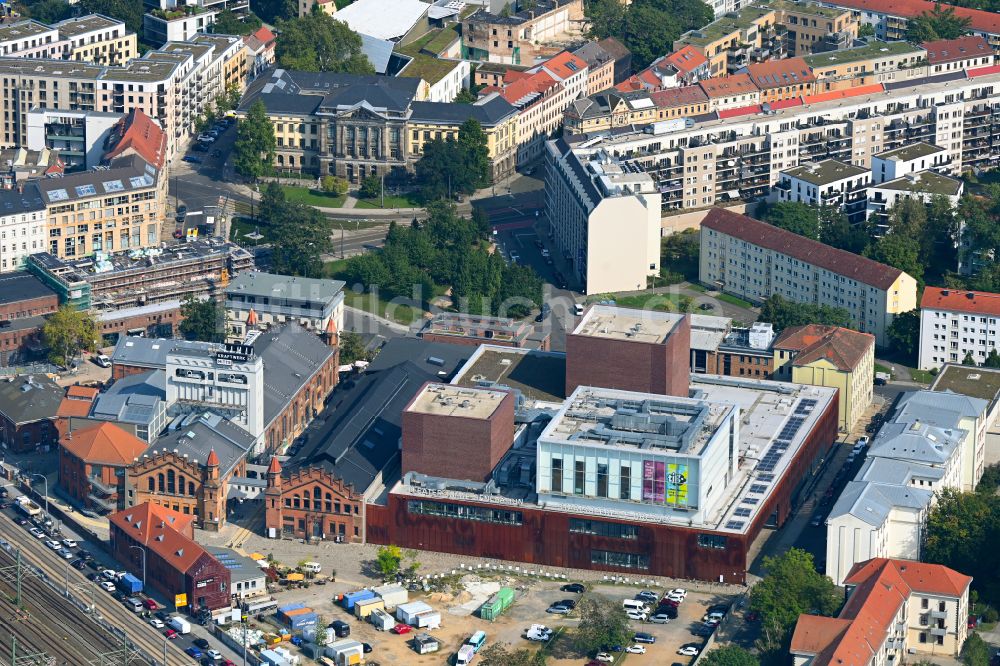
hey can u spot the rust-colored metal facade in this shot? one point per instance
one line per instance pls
(544, 537)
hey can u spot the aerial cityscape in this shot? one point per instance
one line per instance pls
(500, 332)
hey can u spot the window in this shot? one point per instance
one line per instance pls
(625, 482)
(557, 475)
(602, 480)
(579, 476)
(604, 529)
(460, 511)
(716, 541)
(923, 603)
(620, 560)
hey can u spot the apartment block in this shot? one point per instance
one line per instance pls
(93, 38)
(600, 67)
(613, 109)
(890, 18)
(827, 183)
(604, 219)
(719, 348)
(519, 38)
(874, 62)
(23, 225)
(955, 324)
(160, 26)
(754, 260)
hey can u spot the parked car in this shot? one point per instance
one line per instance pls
(557, 609)
(646, 595)
(402, 629)
(53, 544)
(568, 603)
(192, 159)
(660, 618)
(65, 554)
(214, 655)
(688, 651)
(157, 622)
(37, 533)
(643, 637)
(605, 658)
(637, 615)
(576, 588)
(636, 649)
(69, 543)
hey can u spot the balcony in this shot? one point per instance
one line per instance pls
(939, 615)
(939, 631)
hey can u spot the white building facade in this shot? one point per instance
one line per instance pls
(23, 226)
(955, 324)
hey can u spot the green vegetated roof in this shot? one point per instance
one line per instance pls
(428, 68)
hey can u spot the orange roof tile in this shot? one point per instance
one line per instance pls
(77, 402)
(979, 20)
(919, 576)
(982, 71)
(952, 50)
(82, 392)
(264, 34)
(140, 134)
(564, 65)
(274, 467)
(213, 459)
(725, 86)
(686, 59)
(165, 532)
(104, 444)
(682, 96)
(843, 94)
(537, 83)
(780, 73)
(972, 302)
(741, 111)
(842, 347)
(815, 634)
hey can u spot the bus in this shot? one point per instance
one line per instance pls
(477, 641)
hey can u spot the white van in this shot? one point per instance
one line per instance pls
(634, 605)
(312, 567)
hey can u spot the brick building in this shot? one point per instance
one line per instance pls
(719, 348)
(24, 302)
(311, 503)
(479, 423)
(92, 462)
(166, 556)
(28, 407)
(634, 350)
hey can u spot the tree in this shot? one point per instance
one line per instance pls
(607, 17)
(352, 348)
(602, 622)
(899, 251)
(319, 43)
(799, 218)
(66, 333)
(679, 253)
(990, 480)
(302, 235)
(228, 23)
(465, 96)
(941, 22)
(128, 11)
(475, 153)
(647, 27)
(254, 150)
(501, 654)
(866, 30)
(975, 652)
(791, 587)
(49, 11)
(730, 655)
(836, 231)
(272, 11)
(388, 559)
(969, 360)
(203, 320)
(371, 187)
(904, 333)
(784, 313)
(334, 185)
(963, 533)
(450, 167)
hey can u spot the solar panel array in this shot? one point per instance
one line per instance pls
(227, 560)
(804, 407)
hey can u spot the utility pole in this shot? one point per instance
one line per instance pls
(381, 190)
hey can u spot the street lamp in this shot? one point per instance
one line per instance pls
(46, 480)
(143, 551)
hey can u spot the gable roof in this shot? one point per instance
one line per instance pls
(844, 263)
(681, 96)
(960, 48)
(972, 302)
(563, 65)
(780, 73)
(726, 86)
(686, 59)
(104, 444)
(78, 401)
(166, 532)
(920, 577)
(138, 133)
(842, 347)
(29, 398)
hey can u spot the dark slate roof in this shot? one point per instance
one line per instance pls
(27, 200)
(292, 104)
(335, 89)
(21, 286)
(291, 355)
(29, 398)
(358, 434)
(488, 111)
(199, 434)
(122, 175)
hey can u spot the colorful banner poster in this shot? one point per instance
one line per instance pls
(677, 485)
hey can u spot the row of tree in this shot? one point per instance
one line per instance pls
(446, 250)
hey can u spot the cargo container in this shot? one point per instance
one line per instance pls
(179, 624)
(272, 658)
(430, 619)
(406, 613)
(363, 609)
(382, 620)
(425, 643)
(497, 604)
(129, 584)
(300, 621)
(289, 607)
(352, 598)
(392, 595)
(346, 653)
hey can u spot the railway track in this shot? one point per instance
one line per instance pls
(107, 613)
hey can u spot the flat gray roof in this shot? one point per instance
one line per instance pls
(982, 383)
(825, 172)
(271, 285)
(911, 151)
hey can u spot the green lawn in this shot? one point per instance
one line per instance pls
(239, 227)
(694, 286)
(391, 201)
(735, 300)
(656, 302)
(310, 197)
(401, 314)
(921, 376)
(881, 368)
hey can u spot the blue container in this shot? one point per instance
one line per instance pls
(352, 598)
(130, 584)
(300, 622)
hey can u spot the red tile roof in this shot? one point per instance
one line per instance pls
(843, 94)
(538, 82)
(881, 587)
(741, 111)
(725, 86)
(982, 71)
(687, 59)
(842, 347)
(951, 50)
(973, 302)
(980, 20)
(140, 134)
(104, 444)
(77, 402)
(564, 65)
(805, 249)
(264, 34)
(780, 73)
(682, 96)
(786, 103)
(166, 532)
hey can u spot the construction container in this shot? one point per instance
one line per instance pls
(352, 598)
(363, 608)
(287, 608)
(430, 619)
(381, 620)
(497, 604)
(272, 658)
(346, 652)
(299, 622)
(392, 595)
(425, 643)
(407, 613)
(271, 639)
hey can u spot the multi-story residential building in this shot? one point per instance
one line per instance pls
(603, 219)
(914, 157)
(275, 299)
(741, 155)
(827, 183)
(922, 185)
(872, 63)
(754, 260)
(259, 49)
(613, 109)
(686, 66)
(830, 356)
(160, 26)
(23, 225)
(77, 137)
(354, 126)
(896, 608)
(540, 96)
(736, 91)
(955, 324)
(890, 19)
(949, 55)
(519, 38)
(173, 85)
(93, 38)
(600, 67)
(778, 80)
